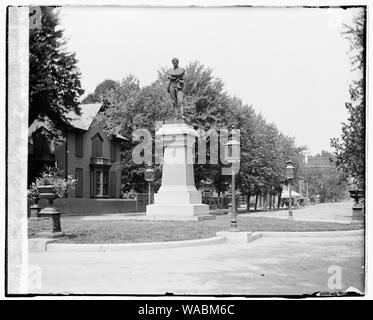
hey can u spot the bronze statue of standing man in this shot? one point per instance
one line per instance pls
(176, 88)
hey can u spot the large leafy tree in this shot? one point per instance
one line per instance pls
(54, 79)
(350, 148)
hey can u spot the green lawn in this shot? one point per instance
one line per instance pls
(127, 231)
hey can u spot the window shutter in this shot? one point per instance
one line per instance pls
(113, 150)
(79, 144)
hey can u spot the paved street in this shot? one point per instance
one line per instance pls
(340, 212)
(269, 266)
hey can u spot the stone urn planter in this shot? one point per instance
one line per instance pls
(47, 192)
(357, 208)
(50, 185)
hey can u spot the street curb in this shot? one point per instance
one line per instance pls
(347, 233)
(239, 236)
(93, 247)
(43, 244)
(247, 236)
(39, 244)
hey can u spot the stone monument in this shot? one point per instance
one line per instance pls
(177, 198)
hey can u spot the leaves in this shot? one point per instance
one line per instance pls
(54, 177)
(54, 80)
(350, 147)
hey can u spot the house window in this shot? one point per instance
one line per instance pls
(79, 182)
(99, 183)
(113, 149)
(97, 146)
(78, 144)
(105, 183)
(113, 184)
(92, 181)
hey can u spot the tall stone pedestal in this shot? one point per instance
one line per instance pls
(178, 198)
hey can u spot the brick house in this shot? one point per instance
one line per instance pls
(88, 154)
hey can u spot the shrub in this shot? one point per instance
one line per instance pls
(33, 192)
(55, 177)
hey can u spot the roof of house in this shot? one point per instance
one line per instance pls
(82, 121)
(88, 113)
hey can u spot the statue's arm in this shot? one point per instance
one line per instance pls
(182, 81)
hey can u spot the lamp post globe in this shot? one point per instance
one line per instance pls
(290, 170)
(232, 151)
(233, 155)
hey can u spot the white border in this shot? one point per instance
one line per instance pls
(181, 3)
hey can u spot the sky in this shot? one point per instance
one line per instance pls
(290, 64)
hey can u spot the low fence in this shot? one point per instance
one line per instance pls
(215, 202)
(98, 206)
(241, 202)
(90, 206)
(142, 201)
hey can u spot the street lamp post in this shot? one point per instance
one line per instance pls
(290, 177)
(149, 176)
(232, 155)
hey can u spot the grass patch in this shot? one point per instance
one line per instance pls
(131, 231)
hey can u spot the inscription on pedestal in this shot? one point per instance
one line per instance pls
(177, 196)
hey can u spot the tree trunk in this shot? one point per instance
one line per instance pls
(270, 201)
(219, 206)
(248, 196)
(260, 200)
(278, 200)
(256, 202)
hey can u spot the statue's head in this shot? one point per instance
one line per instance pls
(175, 62)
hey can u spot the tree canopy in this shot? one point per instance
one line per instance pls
(54, 79)
(350, 147)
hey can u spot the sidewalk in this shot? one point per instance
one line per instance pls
(339, 212)
(267, 266)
